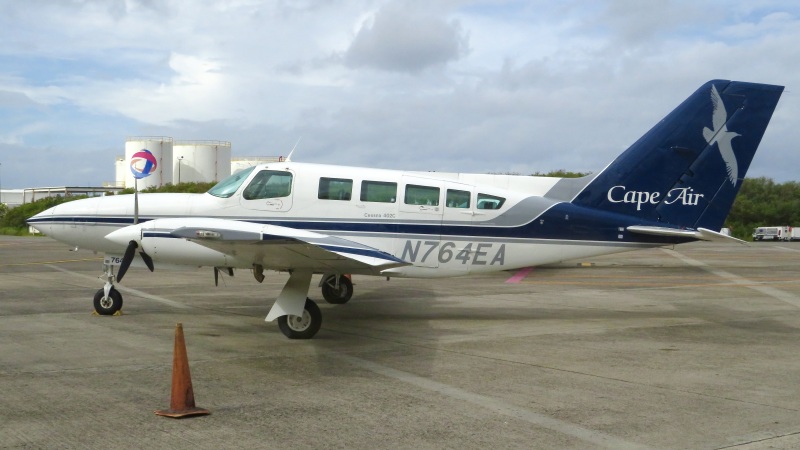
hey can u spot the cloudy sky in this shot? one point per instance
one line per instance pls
(446, 85)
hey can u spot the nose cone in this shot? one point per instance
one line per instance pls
(126, 234)
(66, 222)
(42, 221)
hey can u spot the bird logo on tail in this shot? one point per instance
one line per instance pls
(721, 136)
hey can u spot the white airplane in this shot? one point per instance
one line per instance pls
(671, 186)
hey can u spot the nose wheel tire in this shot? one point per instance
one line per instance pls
(304, 326)
(107, 306)
(337, 295)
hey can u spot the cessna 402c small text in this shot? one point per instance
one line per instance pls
(676, 184)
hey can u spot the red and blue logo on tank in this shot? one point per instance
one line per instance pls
(143, 163)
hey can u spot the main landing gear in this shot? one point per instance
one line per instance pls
(336, 290)
(298, 316)
(304, 326)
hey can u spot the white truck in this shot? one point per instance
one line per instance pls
(784, 233)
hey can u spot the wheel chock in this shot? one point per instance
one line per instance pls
(118, 313)
(182, 401)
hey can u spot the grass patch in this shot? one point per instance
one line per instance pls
(14, 231)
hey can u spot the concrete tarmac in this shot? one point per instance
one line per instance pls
(694, 347)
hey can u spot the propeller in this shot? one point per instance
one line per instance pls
(148, 261)
(127, 259)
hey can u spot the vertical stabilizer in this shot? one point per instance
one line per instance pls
(687, 170)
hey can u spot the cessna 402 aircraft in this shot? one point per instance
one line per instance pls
(676, 184)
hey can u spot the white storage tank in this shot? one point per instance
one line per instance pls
(121, 170)
(201, 161)
(161, 148)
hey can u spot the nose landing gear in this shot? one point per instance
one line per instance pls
(108, 301)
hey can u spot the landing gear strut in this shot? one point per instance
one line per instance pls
(108, 301)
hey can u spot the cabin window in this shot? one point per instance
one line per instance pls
(230, 185)
(486, 201)
(422, 195)
(378, 191)
(269, 184)
(335, 189)
(457, 199)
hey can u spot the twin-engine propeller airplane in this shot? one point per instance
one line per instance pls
(676, 184)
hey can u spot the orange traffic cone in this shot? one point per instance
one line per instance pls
(182, 402)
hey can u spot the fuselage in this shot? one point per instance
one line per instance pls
(443, 224)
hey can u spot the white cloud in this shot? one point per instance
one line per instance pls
(406, 40)
(457, 85)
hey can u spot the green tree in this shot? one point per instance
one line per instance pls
(189, 188)
(561, 173)
(13, 221)
(762, 202)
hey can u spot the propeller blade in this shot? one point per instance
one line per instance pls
(216, 276)
(230, 271)
(148, 261)
(127, 258)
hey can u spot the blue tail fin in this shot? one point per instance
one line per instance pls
(687, 170)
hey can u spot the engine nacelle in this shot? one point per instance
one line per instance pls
(173, 250)
(154, 238)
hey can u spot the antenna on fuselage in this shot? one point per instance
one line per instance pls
(289, 158)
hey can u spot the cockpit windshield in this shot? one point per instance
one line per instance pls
(230, 185)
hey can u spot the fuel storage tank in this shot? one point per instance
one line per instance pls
(201, 161)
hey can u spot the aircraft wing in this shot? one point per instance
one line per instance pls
(284, 248)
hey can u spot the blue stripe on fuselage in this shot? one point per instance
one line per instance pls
(564, 221)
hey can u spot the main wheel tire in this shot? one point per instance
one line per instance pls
(304, 326)
(107, 306)
(334, 295)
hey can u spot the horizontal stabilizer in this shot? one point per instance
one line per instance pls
(702, 234)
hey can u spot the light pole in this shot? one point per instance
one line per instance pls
(179, 169)
(1, 184)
